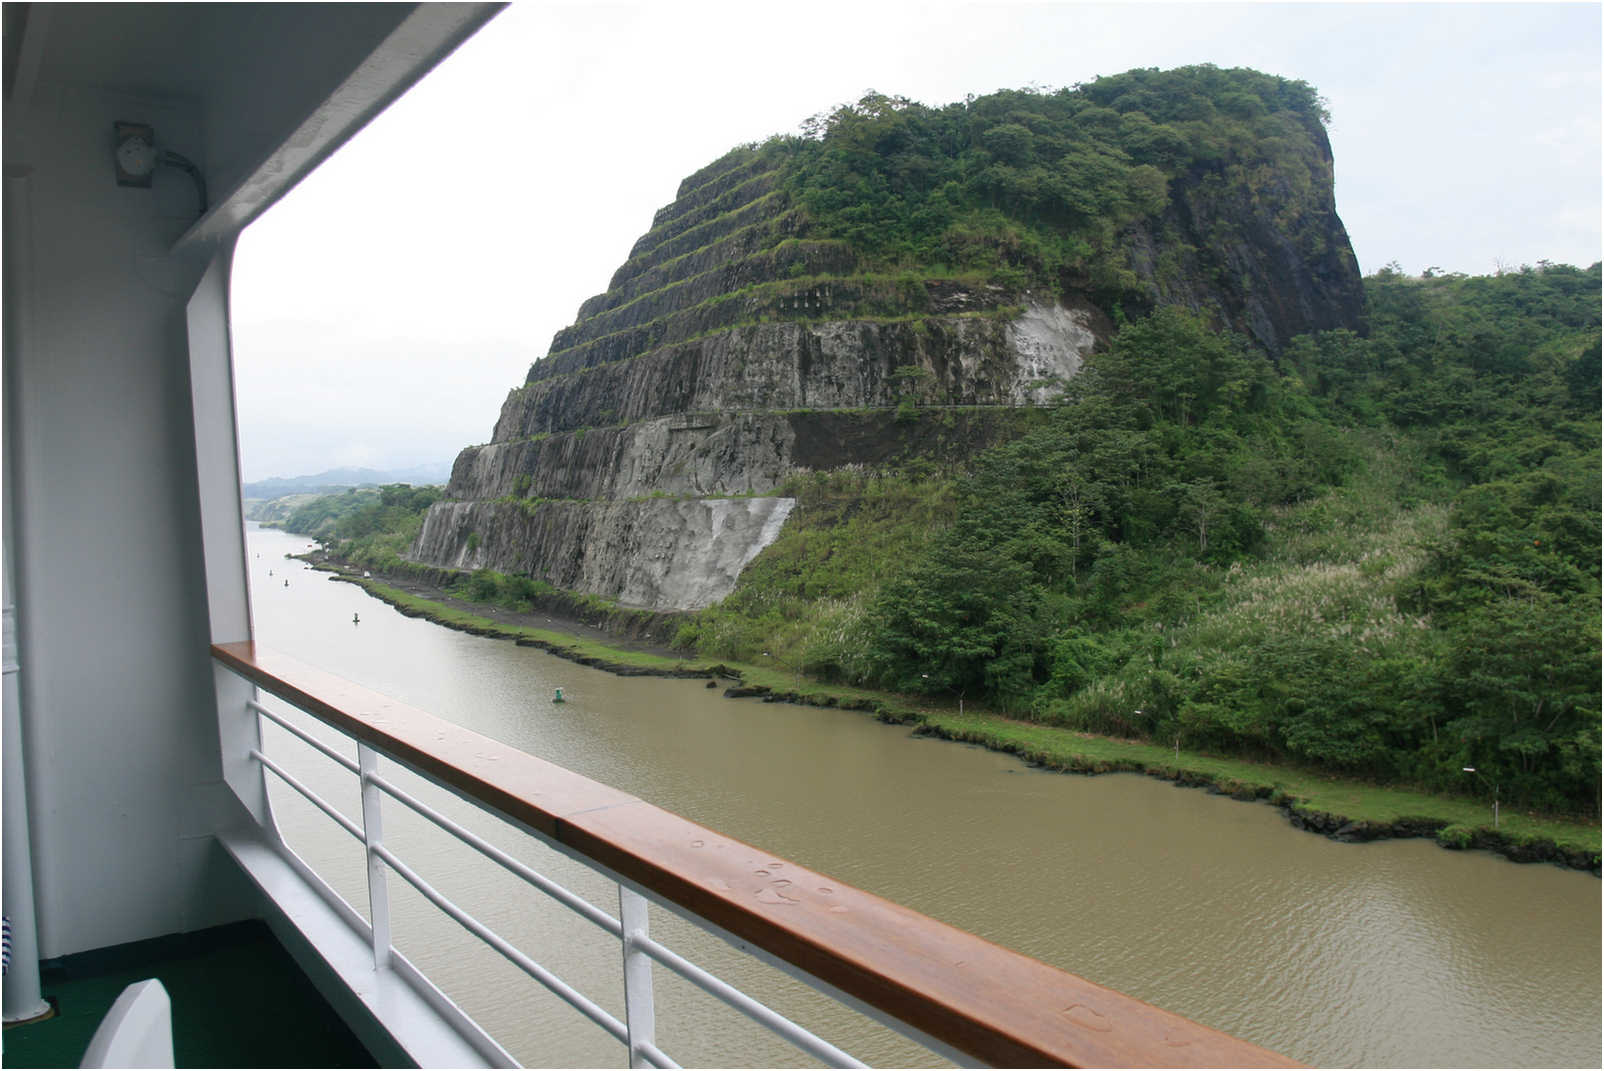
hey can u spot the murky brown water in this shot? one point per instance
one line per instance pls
(1388, 954)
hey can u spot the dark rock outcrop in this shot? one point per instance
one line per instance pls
(1270, 262)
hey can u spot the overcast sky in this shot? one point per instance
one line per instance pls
(383, 309)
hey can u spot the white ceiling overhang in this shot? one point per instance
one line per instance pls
(277, 87)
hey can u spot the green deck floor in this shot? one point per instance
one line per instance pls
(239, 1000)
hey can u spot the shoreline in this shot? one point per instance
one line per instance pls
(577, 641)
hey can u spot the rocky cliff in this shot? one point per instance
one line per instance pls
(1269, 259)
(762, 327)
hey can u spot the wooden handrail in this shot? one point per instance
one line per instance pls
(992, 1003)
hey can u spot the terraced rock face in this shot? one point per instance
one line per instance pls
(729, 352)
(746, 338)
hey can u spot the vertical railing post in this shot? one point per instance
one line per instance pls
(639, 1014)
(367, 761)
(20, 994)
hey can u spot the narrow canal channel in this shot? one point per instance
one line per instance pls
(1387, 954)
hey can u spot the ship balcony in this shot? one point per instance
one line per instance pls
(957, 995)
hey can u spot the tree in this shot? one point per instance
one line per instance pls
(962, 619)
(1199, 503)
(1526, 674)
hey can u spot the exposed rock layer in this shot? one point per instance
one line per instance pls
(838, 364)
(669, 552)
(712, 453)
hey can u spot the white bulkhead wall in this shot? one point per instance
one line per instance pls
(120, 737)
(119, 715)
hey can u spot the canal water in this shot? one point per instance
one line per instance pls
(1395, 953)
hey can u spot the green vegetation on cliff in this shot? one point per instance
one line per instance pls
(1036, 187)
(1380, 557)
(896, 257)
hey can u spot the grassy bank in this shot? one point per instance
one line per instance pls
(1346, 809)
(587, 652)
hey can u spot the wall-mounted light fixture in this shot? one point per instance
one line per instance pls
(136, 158)
(136, 153)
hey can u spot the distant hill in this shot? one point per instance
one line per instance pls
(275, 511)
(339, 479)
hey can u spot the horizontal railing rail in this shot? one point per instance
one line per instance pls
(963, 995)
(635, 1034)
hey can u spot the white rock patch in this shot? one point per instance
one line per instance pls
(1049, 343)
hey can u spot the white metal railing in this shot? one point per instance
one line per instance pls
(638, 1030)
(949, 991)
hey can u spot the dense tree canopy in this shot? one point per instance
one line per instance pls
(1035, 187)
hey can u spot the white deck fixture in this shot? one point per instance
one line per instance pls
(136, 1032)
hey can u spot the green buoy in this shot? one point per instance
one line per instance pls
(559, 697)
